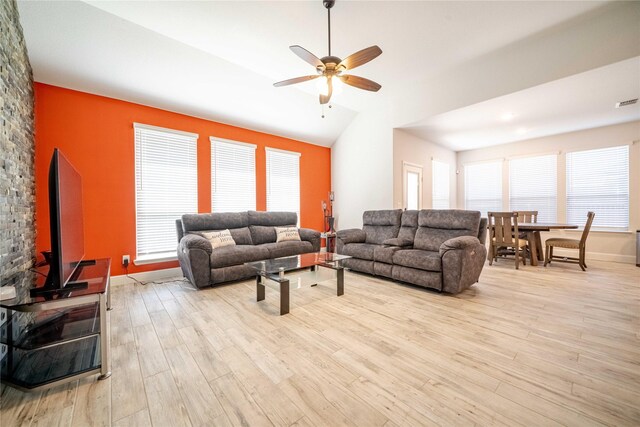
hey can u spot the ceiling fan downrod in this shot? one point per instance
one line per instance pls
(329, 4)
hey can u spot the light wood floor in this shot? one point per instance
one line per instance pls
(538, 346)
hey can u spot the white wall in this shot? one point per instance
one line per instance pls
(361, 168)
(609, 246)
(411, 149)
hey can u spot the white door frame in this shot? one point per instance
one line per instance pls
(415, 168)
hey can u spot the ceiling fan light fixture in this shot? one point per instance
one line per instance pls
(331, 66)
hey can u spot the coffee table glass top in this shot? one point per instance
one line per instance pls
(297, 262)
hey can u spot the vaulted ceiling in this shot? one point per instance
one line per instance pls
(218, 60)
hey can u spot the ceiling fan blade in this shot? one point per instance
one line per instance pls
(296, 80)
(307, 56)
(360, 58)
(324, 99)
(360, 83)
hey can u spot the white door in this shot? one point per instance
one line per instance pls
(412, 175)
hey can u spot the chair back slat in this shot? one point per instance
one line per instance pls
(528, 216)
(504, 227)
(587, 227)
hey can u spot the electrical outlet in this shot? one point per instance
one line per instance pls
(126, 260)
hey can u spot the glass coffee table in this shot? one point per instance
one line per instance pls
(276, 273)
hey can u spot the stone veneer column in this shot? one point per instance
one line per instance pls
(17, 146)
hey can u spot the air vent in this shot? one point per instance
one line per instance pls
(627, 102)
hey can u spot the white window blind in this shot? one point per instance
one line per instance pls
(440, 194)
(533, 185)
(233, 176)
(283, 181)
(166, 187)
(598, 181)
(483, 187)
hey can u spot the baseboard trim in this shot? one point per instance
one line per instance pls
(598, 256)
(147, 276)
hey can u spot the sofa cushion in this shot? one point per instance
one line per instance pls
(218, 239)
(437, 226)
(408, 225)
(284, 234)
(214, 221)
(287, 248)
(273, 218)
(381, 225)
(384, 253)
(236, 255)
(416, 258)
(241, 236)
(261, 234)
(359, 250)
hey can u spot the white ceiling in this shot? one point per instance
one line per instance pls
(582, 101)
(218, 60)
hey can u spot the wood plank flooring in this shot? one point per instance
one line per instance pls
(535, 346)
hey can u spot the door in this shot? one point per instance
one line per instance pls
(412, 179)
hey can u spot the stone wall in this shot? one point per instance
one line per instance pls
(17, 178)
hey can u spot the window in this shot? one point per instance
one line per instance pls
(166, 188)
(598, 181)
(440, 194)
(412, 186)
(283, 181)
(533, 186)
(233, 176)
(483, 187)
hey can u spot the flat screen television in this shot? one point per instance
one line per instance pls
(66, 225)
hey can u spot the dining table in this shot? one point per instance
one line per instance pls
(533, 229)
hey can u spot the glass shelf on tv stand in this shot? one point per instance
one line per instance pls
(57, 338)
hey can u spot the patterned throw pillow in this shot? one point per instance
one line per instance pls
(219, 239)
(286, 233)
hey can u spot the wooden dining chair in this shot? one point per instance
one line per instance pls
(528, 216)
(503, 228)
(580, 245)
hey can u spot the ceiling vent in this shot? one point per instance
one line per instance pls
(627, 102)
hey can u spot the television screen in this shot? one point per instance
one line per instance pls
(67, 228)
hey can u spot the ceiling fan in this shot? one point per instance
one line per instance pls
(330, 66)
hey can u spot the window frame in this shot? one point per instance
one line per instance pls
(500, 162)
(268, 176)
(433, 182)
(594, 227)
(142, 259)
(213, 140)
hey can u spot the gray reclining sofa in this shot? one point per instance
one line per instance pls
(255, 238)
(438, 249)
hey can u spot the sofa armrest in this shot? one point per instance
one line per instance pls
(195, 241)
(462, 261)
(402, 243)
(352, 235)
(309, 235)
(193, 255)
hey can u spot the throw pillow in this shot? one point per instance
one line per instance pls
(219, 239)
(284, 234)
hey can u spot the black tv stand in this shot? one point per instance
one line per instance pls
(53, 339)
(50, 289)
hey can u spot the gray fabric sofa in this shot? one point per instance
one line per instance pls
(255, 238)
(438, 249)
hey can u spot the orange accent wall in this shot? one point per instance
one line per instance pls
(96, 134)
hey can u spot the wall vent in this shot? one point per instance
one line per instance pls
(627, 102)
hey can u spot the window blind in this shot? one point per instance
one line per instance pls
(533, 186)
(440, 193)
(483, 187)
(166, 187)
(598, 181)
(283, 181)
(233, 176)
